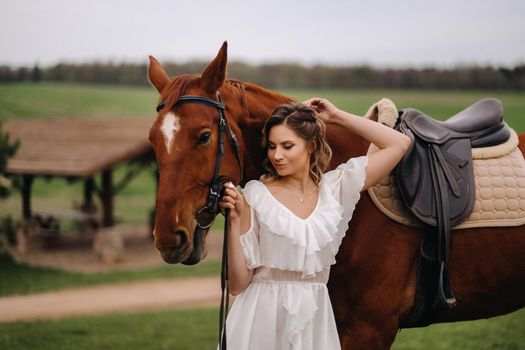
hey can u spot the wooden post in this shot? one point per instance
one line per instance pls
(88, 206)
(22, 236)
(107, 198)
(27, 182)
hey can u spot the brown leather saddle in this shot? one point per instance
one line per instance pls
(436, 182)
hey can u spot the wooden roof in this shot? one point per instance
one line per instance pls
(75, 146)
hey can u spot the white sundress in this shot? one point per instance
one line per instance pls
(287, 306)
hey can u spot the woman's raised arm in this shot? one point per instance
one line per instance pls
(393, 144)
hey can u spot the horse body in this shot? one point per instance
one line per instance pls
(372, 286)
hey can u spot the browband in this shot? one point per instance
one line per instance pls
(194, 99)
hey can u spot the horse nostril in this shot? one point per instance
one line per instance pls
(180, 239)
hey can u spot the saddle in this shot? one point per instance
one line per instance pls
(436, 181)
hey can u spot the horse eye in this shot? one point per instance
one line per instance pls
(204, 138)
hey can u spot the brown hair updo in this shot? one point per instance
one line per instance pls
(307, 125)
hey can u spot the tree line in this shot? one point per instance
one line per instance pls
(285, 75)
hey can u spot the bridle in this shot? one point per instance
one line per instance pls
(206, 215)
(211, 209)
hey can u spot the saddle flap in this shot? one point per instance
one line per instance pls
(417, 169)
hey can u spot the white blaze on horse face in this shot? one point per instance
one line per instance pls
(170, 126)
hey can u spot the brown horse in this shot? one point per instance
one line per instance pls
(372, 286)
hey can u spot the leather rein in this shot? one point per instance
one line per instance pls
(206, 215)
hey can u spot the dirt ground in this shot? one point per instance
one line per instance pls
(110, 298)
(74, 252)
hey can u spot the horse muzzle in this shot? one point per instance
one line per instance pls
(182, 249)
(174, 247)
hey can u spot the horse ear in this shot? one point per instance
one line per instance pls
(156, 74)
(215, 73)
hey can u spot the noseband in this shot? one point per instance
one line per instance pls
(211, 209)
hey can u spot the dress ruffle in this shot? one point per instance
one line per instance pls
(346, 182)
(280, 239)
(312, 233)
(309, 239)
(282, 314)
(301, 307)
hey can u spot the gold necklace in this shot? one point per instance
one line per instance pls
(291, 189)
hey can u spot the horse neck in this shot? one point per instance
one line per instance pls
(253, 103)
(262, 102)
(345, 144)
(256, 104)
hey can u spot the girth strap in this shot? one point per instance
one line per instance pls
(437, 155)
(440, 178)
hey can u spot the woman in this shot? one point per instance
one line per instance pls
(286, 229)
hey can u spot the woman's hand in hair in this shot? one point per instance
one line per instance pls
(326, 110)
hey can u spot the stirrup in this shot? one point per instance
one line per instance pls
(445, 297)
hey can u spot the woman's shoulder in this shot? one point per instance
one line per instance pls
(259, 194)
(258, 185)
(252, 185)
(253, 189)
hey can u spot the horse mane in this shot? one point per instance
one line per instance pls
(273, 95)
(258, 98)
(177, 88)
(181, 83)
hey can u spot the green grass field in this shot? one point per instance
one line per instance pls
(66, 100)
(194, 329)
(197, 329)
(133, 204)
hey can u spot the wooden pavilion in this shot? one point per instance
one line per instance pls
(79, 148)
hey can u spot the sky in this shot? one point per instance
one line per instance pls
(377, 32)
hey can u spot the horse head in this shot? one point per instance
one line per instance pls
(185, 139)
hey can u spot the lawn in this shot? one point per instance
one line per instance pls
(44, 100)
(173, 330)
(197, 329)
(76, 100)
(497, 333)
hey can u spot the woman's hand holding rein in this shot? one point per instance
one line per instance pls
(239, 274)
(233, 200)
